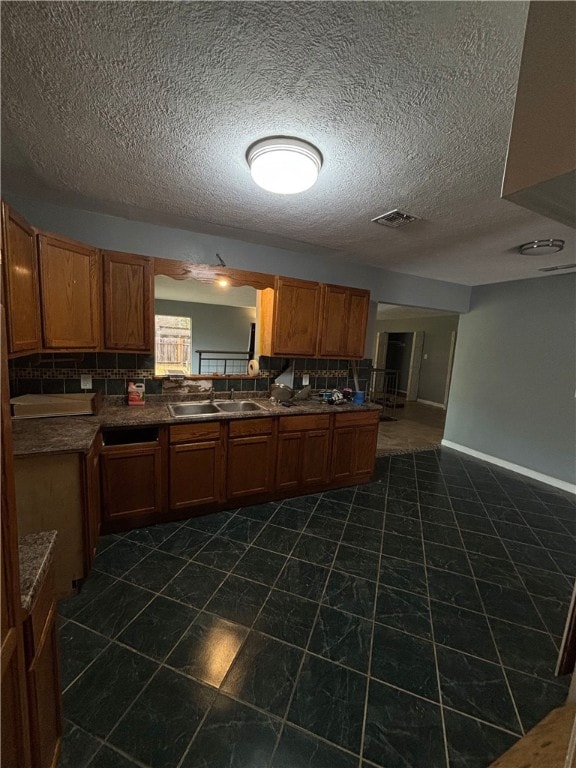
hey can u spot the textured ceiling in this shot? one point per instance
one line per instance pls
(146, 110)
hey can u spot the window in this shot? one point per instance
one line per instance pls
(173, 345)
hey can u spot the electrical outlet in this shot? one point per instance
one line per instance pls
(85, 381)
(305, 379)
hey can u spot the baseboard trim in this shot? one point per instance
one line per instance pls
(562, 484)
(431, 402)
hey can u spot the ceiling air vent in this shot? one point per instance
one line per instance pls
(394, 219)
(555, 269)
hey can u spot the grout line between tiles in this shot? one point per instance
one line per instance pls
(299, 672)
(508, 686)
(433, 638)
(368, 682)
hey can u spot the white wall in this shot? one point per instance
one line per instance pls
(513, 383)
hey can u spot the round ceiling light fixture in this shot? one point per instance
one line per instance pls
(541, 247)
(284, 165)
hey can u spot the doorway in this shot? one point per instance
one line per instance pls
(397, 372)
(413, 358)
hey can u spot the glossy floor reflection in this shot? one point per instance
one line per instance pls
(412, 621)
(415, 427)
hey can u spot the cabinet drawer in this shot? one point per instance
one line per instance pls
(362, 417)
(40, 611)
(250, 427)
(300, 423)
(183, 433)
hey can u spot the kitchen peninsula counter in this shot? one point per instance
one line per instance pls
(35, 552)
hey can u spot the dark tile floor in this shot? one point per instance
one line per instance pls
(413, 621)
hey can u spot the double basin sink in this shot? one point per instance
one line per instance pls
(210, 407)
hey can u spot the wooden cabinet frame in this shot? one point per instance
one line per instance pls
(78, 268)
(128, 305)
(140, 501)
(21, 284)
(43, 677)
(196, 465)
(337, 315)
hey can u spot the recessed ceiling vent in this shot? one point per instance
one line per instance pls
(555, 269)
(394, 219)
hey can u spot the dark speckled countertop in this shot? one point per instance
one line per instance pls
(75, 434)
(63, 434)
(35, 553)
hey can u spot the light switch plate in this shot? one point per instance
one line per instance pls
(305, 379)
(85, 381)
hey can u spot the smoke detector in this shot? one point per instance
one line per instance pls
(541, 247)
(394, 219)
(555, 269)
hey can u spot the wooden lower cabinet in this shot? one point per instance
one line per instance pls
(250, 461)
(51, 494)
(131, 479)
(354, 446)
(303, 452)
(196, 465)
(15, 744)
(43, 678)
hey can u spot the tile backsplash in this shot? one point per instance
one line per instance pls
(111, 372)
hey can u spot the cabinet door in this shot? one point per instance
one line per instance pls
(365, 441)
(131, 484)
(250, 466)
(20, 274)
(128, 301)
(356, 323)
(15, 744)
(354, 445)
(342, 453)
(288, 461)
(334, 323)
(195, 474)
(344, 321)
(44, 698)
(70, 292)
(315, 457)
(296, 317)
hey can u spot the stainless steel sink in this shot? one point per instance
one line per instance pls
(238, 406)
(209, 408)
(180, 410)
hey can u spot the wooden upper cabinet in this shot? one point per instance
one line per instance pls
(343, 322)
(20, 276)
(70, 293)
(290, 312)
(128, 301)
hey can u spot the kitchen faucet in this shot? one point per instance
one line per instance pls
(232, 394)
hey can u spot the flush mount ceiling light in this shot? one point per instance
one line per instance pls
(541, 247)
(284, 165)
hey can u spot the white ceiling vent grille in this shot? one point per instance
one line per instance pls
(555, 269)
(394, 219)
